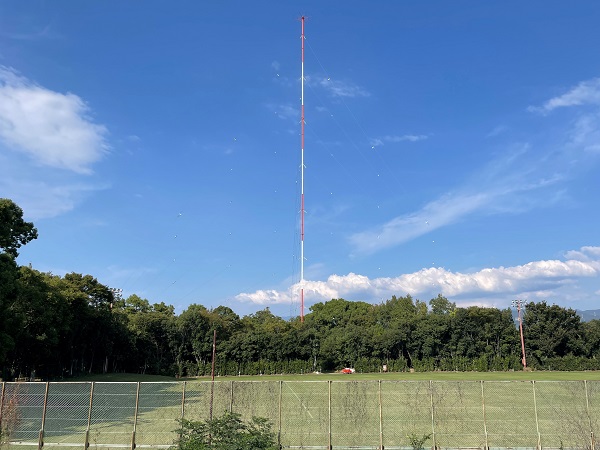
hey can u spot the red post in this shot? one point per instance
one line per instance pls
(212, 374)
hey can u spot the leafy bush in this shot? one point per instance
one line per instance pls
(416, 441)
(227, 432)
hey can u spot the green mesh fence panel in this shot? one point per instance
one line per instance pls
(67, 413)
(256, 399)
(113, 410)
(22, 412)
(305, 413)
(222, 397)
(510, 414)
(458, 414)
(406, 409)
(159, 409)
(345, 413)
(562, 414)
(354, 413)
(197, 397)
(593, 390)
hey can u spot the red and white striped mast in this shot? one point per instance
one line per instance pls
(302, 182)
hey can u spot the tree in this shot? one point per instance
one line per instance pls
(552, 331)
(14, 231)
(9, 274)
(592, 338)
(486, 333)
(441, 305)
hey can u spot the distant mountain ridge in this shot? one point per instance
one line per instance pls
(589, 314)
(586, 316)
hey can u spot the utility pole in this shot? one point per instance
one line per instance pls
(212, 373)
(519, 305)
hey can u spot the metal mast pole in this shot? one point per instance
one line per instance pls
(518, 304)
(302, 184)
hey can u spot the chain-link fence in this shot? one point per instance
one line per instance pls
(319, 414)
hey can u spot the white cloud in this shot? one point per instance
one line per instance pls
(52, 128)
(266, 297)
(47, 142)
(537, 279)
(586, 254)
(497, 131)
(585, 133)
(585, 93)
(436, 214)
(395, 139)
(338, 88)
(41, 199)
(285, 111)
(517, 181)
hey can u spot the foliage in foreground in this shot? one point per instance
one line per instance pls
(227, 432)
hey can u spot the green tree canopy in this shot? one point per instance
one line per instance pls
(14, 231)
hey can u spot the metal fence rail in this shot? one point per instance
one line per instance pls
(318, 414)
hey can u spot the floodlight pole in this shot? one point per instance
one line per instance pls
(519, 304)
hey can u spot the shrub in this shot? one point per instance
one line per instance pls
(227, 432)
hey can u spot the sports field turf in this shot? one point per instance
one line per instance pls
(391, 376)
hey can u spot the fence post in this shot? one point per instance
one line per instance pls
(231, 398)
(41, 435)
(2, 402)
(183, 401)
(329, 413)
(432, 414)
(182, 409)
(135, 414)
(487, 445)
(89, 420)
(587, 410)
(537, 426)
(279, 427)
(380, 420)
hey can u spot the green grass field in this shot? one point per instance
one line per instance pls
(396, 376)
(457, 410)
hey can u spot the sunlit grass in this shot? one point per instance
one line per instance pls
(395, 376)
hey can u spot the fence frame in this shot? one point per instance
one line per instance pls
(280, 413)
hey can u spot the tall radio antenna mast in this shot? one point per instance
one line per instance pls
(302, 183)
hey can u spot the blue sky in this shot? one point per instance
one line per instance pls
(451, 147)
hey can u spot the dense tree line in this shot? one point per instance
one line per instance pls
(58, 326)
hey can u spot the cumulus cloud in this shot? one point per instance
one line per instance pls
(537, 279)
(48, 145)
(585, 93)
(51, 128)
(586, 254)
